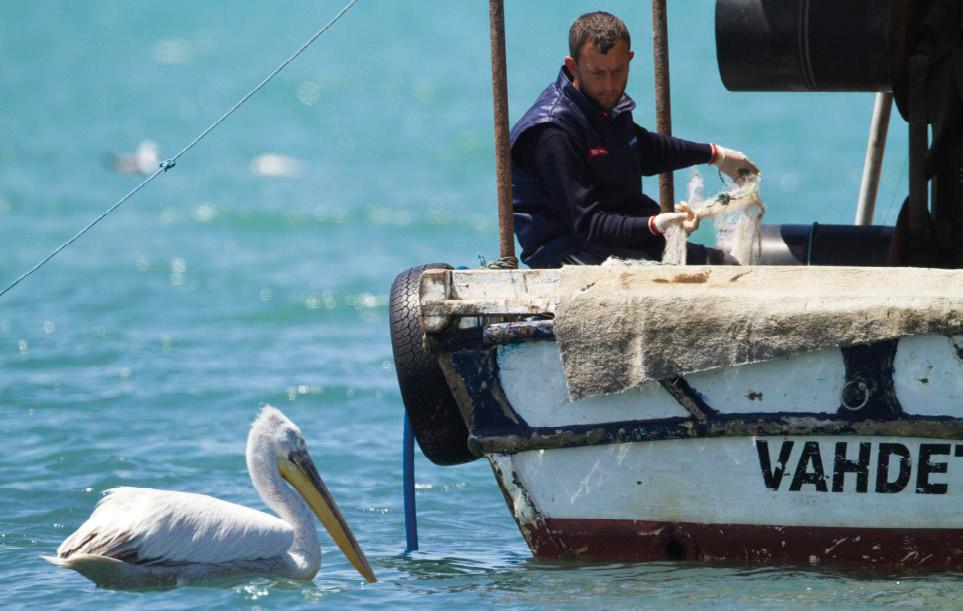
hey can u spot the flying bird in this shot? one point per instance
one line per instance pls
(272, 164)
(142, 162)
(143, 537)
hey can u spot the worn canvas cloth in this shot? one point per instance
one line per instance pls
(620, 327)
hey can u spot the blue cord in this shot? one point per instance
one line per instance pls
(408, 475)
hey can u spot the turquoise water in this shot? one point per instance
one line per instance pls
(140, 355)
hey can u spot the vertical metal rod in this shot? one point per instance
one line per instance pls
(663, 104)
(875, 147)
(918, 213)
(408, 484)
(503, 169)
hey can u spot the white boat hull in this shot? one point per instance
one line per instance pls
(813, 498)
(849, 454)
(867, 500)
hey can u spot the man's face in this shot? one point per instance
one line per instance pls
(601, 77)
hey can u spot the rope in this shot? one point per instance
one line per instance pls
(170, 163)
(503, 263)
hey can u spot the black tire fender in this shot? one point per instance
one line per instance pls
(432, 411)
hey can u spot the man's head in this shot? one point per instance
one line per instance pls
(600, 52)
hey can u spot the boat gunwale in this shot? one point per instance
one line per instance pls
(502, 441)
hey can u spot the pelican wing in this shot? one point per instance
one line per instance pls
(144, 525)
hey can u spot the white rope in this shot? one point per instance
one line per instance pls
(170, 163)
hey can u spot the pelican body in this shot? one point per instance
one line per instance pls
(141, 537)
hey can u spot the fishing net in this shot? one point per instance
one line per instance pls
(675, 238)
(738, 213)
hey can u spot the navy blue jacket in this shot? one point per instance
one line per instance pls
(577, 176)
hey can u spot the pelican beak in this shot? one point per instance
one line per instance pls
(298, 470)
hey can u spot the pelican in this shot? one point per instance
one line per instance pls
(142, 537)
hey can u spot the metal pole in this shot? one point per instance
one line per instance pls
(875, 148)
(663, 105)
(918, 212)
(503, 169)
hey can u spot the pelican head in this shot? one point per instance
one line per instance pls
(276, 449)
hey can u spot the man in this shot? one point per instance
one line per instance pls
(578, 161)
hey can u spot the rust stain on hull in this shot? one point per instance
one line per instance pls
(531, 524)
(698, 278)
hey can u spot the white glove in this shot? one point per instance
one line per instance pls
(687, 219)
(732, 163)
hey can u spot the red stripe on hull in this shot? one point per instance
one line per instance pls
(631, 541)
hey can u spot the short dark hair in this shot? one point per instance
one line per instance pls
(601, 29)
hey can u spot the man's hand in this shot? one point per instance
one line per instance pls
(688, 219)
(732, 163)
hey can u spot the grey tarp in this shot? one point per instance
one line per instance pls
(620, 327)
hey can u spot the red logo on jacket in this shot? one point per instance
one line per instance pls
(598, 151)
